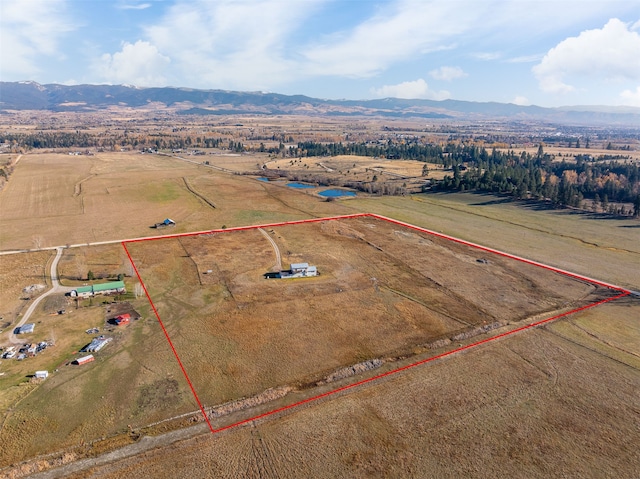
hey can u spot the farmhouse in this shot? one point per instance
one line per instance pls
(303, 269)
(298, 270)
(102, 288)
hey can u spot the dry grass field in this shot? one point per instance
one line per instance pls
(383, 291)
(536, 405)
(78, 404)
(358, 167)
(112, 196)
(16, 273)
(104, 261)
(554, 401)
(77, 199)
(238, 162)
(607, 249)
(134, 380)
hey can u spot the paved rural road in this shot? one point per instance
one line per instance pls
(55, 288)
(275, 249)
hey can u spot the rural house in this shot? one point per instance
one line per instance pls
(102, 288)
(298, 270)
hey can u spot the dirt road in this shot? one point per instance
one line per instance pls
(55, 288)
(278, 264)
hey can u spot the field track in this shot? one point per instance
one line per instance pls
(55, 288)
(621, 292)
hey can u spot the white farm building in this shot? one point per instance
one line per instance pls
(96, 344)
(303, 270)
(298, 270)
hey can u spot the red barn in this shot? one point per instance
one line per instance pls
(122, 319)
(85, 359)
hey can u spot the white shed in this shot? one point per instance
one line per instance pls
(42, 374)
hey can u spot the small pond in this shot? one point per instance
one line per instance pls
(335, 193)
(263, 178)
(295, 184)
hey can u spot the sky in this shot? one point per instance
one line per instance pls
(547, 53)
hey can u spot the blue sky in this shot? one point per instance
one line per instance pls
(548, 53)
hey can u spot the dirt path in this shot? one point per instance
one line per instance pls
(56, 288)
(147, 443)
(196, 194)
(77, 188)
(278, 264)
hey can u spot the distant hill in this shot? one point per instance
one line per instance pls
(33, 96)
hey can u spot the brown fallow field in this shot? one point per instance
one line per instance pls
(384, 292)
(55, 199)
(557, 400)
(534, 406)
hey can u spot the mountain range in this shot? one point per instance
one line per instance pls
(28, 95)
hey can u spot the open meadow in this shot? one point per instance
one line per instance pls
(535, 405)
(384, 292)
(554, 400)
(599, 247)
(17, 274)
(59, 199)
(133, 380)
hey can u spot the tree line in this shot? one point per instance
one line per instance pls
(521, 175)
(388, 149)
(473, 167)
(537, 176)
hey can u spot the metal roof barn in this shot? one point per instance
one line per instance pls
(102, 288)
(97, 344)
(26, 328)
(85, 359)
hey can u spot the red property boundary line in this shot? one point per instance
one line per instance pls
(621, 293)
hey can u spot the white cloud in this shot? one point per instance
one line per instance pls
(487, 56)
(521, 101)
(232, 44)
(266, 44)
(402, 30)
(417, 89)
(631, 98)
(29, 30)
(447, 73)
(140, 64)
(609, 53)
(525, 59)
(137, 6)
